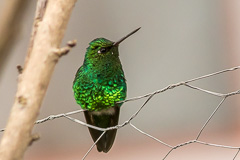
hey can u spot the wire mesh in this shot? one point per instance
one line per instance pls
(222, 96)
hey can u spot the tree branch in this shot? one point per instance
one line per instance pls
(42, 56)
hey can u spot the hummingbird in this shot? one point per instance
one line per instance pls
(98, 85)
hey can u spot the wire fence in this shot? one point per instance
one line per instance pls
(222, 96)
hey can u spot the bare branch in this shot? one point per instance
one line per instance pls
(64, 50)
(34, 138)
(20, 69)
(33, 82)
(40, 12)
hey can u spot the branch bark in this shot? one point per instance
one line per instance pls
(41, 59)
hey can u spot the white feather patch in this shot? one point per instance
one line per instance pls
(109, 111)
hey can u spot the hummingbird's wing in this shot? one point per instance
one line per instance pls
(103, 119)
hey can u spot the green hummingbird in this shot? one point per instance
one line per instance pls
(99, 83)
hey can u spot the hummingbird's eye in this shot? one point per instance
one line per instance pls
(102, 50)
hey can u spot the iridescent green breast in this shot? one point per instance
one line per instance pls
(95, 91)
(100, 83)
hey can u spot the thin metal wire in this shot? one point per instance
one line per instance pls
(236, 154)
(168, 153)
(171, 86)
(52, 117)
(205, 124)
(149, 96)
(154, 138)
(93, 145)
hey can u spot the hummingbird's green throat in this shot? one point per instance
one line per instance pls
(99, 83)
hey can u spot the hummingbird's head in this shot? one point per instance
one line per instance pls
(101, 48)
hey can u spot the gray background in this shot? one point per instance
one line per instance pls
(179, 40)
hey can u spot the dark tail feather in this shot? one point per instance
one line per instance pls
(103, 120)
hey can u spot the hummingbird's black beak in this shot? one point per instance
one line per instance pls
(125, 37)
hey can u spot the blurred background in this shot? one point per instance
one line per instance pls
(179, 40)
